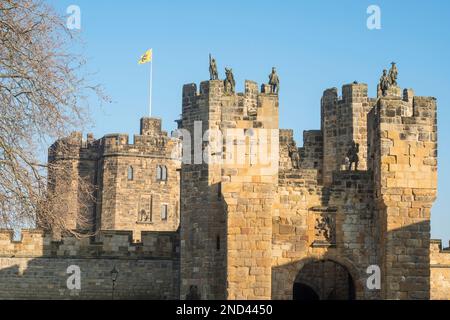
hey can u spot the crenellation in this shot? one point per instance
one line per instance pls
(357, 194)
(311, 154)
(110, 244)
(151, 126)
(330, 132)
(344, 122)
(251, 89)
(440, 270)
(354, 93)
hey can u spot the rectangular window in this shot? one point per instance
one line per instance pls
(164, 212)
(161, 173)
(219, 191)
(130, 173)
(164, 173)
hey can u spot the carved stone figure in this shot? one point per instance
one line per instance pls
(214, 75)
(385, 83)
(193, 294)
(144, 217)
(274, 81)
(230, 83)
(346, 162)
(324, 229)
(294, 155)
(353, 157)
(393, 74)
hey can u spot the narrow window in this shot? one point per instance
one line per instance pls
(218, 243)
(130, 173)
(163, 173)
(164, 209)
(219, 191)
(158, 173)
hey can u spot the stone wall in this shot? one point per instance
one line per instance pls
(403, 153)
(44, 278)
(226, 205)
(248, 192)
(311, 154)
(313, 224)
(440, 271)
(344, 120)
(72, 167)
(203, 220)
(36, 266)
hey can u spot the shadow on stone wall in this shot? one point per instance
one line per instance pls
(145, 275)
(337, 275)
(46, 279)
(405, 268)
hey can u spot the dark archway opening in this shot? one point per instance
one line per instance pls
(304, 293)
(330, 280)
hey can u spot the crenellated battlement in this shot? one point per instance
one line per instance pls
(440, 270)
(110, 244)
(217, 88)
(233, 106)
(344, 122)
(353, 92)
(143, 146)
(437, 246)
(143, 172)
(439, 256)
(151, 141)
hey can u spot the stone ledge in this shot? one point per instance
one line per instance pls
(321, 244)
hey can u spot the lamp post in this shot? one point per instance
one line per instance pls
(114, 275)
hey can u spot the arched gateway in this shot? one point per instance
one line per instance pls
(324, 280)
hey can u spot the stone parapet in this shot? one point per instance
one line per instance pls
(111, 244)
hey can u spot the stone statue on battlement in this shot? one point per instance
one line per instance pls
(385, 83)
(229, 83)
(193, 294)
(214, 75)
(393, 74)
(294, 155)
(388, 81)
(352, 156)
(274, 81)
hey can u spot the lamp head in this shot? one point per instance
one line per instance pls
(114, 274)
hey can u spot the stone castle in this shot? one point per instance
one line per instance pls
(314, 222)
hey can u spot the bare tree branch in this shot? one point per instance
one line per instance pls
(42, 97)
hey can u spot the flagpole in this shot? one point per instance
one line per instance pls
(151, 85)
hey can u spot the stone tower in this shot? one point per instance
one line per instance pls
(260, 217)
(344, 120)
(135, 185)
(226, 203)
(309, 224)
(403, 159)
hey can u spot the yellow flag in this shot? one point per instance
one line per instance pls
(147, 57)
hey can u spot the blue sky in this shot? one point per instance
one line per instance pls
(314, 45)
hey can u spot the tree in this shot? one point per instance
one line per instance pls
(42, 96)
